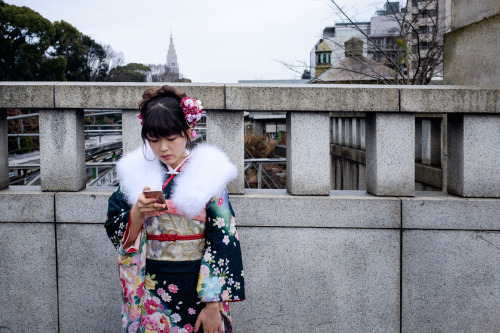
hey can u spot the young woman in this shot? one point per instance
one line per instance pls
(179, 261)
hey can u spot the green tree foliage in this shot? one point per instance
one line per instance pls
(25, 37)
(85, 58)
(132, 72)
(32, 48)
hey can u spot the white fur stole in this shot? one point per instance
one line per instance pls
(204, 175)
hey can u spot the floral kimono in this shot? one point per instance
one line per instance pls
(185, 256)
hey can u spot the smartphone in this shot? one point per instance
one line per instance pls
(155, 194)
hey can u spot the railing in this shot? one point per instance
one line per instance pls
(381, 260)
(390, 130)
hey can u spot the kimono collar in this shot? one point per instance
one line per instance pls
(204, 175)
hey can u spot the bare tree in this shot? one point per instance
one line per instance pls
(113, 58)
(416, 52)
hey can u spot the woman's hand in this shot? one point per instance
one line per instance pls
(210, 318)
(144, 206)
(147, 206)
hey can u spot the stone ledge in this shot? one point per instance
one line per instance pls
(443, 211)
(79, 95)
(26, 204)
(339, 210)
(87, 206)
(448, 99)
(27, 95)
(301, 97)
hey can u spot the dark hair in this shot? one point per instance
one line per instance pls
(162, 113)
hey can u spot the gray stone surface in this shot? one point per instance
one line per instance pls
(4, 151)
(89, 285)
(443, 211)
(26, 204)
(451, 281)
(225, 129)
(471, 55)
(131, 130)
(308, 153)
(62, 150)
(27, 95)
(451, 99)
(87, 206)
(390, 154)
(338, 210)
(464, 12)
(474, 155)
(319, 280)
(27, 278)
(127, 95)
(311, 97)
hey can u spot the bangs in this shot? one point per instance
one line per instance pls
(161, 123)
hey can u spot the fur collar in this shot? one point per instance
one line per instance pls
(204, 175)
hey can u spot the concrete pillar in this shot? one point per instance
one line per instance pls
(62, 150)
(390, 154)
(431, 141)
(307, 153)
(333, 130)
(4, 150)
(225, 129)
(131, 130)
(418, 140)
(474, 155)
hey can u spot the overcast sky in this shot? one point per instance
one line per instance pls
(216, 40)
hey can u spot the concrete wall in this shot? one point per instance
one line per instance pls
(324, 262)
(471, 49)
(348, 262)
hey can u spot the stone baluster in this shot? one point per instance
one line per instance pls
(131, 130)
(431, 141)
(62, 150)
(4, 150)
(226, 130)
(474, 155)
(418, 140)
(390, 154)
(307, 153)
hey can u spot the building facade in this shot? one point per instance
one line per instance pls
(172, 68)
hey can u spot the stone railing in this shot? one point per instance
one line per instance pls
(387, 259)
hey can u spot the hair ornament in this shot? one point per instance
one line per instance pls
(192, 111)
(140, 118)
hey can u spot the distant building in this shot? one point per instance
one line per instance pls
(384, 29)
(335, 37)
(423, 21)
(430, 20)
(356, 68)
(172, 64)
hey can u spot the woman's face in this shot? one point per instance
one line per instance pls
(170, 149)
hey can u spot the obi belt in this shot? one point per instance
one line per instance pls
(172, 237)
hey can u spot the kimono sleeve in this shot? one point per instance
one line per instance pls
(221, 270)
(118, 217)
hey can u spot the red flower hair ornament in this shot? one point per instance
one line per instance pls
(192, 112)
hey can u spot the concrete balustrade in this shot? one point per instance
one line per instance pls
(4, 151)
(390, 142)
(131, 130)
(308, 153)
(62, 150)
(225, 129)
(474, 159)
(382, 260)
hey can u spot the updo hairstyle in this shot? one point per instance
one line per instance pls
(162, 114)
